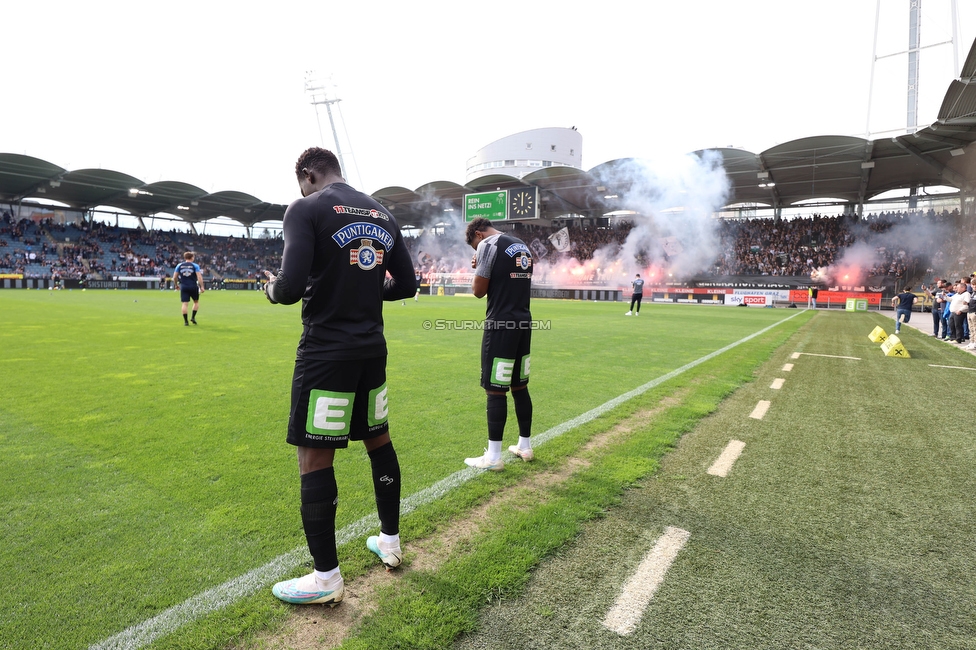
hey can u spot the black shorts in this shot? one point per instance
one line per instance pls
(186, 295)
(505, 357)
(333, 402)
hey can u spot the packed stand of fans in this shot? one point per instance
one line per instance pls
(770, 247)
(901, 246)
(46, 249)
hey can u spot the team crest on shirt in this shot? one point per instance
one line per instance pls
(523, 261)
(366, 257)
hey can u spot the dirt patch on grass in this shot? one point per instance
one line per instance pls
(322, 627)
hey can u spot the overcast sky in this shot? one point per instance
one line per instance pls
(212, 93)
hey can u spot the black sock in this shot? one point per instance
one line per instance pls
(184, 319)
(319, 500)
(523, 411)
(194, 315)
(386, 487)
(497, 415)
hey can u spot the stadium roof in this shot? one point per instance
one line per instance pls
(827, 167)
(26, 177)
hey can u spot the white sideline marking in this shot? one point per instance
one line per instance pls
(629, 608)
(796, 355)
(777, 383)
(759, 412)
(932, 365)
(787, 367)
(215, 598)
(727, 458)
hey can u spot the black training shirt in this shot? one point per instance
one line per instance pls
(507, 263)
(339, 245)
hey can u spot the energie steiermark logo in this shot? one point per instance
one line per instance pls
(502, 370)
(330, 412)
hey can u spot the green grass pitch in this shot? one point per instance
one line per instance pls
(144, 462)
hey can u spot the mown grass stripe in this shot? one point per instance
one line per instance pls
(224, 595)
(629, 608)
(723, 464)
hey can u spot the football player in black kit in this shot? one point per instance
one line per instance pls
(339, 245)
(503, 272)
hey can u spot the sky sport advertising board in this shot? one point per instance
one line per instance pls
(756, 297)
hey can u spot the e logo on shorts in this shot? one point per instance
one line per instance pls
(501, 371)
(378, 409)
(329, 413)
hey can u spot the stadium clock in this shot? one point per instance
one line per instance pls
(521, 202)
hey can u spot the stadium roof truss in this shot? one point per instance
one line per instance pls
(845, 168)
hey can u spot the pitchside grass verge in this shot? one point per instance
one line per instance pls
(430, 610)
(848, 521)
(144, 461)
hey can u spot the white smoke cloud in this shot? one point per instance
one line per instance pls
(674, 234)
(675, 199)
(442, 235)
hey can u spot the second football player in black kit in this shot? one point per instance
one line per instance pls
(503, 272)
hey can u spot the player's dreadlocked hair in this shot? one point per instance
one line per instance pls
(318, 159)
(478, 225)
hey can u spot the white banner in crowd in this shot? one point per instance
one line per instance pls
(560, 240)
(671, 246)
